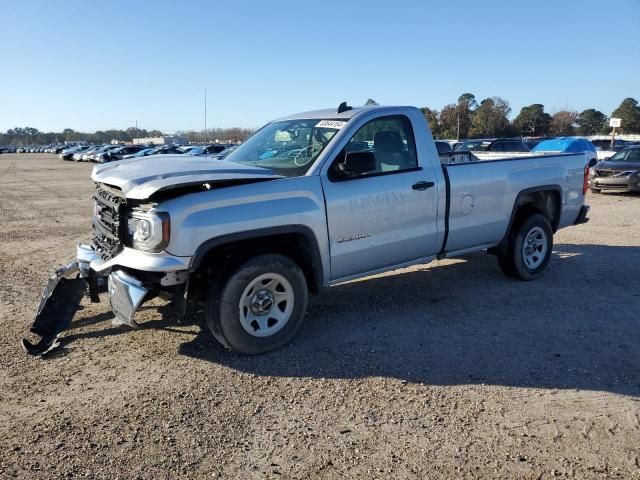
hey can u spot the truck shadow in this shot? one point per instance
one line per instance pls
(465, 323)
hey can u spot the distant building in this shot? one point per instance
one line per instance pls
(164, 140)
(629, 137)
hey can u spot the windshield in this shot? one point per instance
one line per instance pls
(287, 147)
(194, 151)
(629, 155)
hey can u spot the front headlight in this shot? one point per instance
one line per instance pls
(149, 231)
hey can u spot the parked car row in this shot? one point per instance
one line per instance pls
(110, 153)
(57, 148)
(598, 149)
(492, 145)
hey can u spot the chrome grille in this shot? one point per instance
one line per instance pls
(108, 221)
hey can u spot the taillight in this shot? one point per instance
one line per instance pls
(585, 181)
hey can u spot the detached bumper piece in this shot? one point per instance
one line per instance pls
(60, 300)
(69, 284)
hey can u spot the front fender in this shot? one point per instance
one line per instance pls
(287, 205)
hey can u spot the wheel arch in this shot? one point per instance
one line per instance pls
(297, 242)
(544, 199)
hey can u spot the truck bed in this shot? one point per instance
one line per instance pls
(481, 193)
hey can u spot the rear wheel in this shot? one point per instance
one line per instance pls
(529, 249)
(260, 306)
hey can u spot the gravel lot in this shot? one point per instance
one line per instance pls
(444, 371)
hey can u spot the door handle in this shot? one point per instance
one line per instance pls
(422, 185)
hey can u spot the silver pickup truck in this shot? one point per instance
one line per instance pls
(309, 201)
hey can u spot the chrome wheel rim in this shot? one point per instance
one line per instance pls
(266, 305)
(534, 248)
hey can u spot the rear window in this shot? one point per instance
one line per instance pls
(443, 147)
(509, 146)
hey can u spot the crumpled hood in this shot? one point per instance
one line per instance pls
(139, 178)
(622, 166)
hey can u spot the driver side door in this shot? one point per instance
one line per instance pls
(384, 217)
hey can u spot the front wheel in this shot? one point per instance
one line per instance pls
(261, 305)
(529, 249)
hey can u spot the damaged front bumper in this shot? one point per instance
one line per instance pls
(90, 273)
(126, 294)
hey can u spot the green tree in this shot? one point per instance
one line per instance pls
(448, 121)
(455, 119)
(370, 102)
(468, 99)
(69, 135)
(532, 121)
(629, 113)
(490, 119)
(562, 123)
(465, 109)
(591, 122)
(432, 119)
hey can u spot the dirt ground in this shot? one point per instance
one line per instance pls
(443, 371)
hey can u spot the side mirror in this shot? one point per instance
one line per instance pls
(593, 162)
(357, 163)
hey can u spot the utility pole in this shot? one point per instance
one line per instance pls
(613, 137)
(137, 133)
(615, 123)
(205, 115)
(458, 134)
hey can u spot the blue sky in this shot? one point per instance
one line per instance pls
(97, 65)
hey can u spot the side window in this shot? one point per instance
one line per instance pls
(387, 144)
(519, 147)
(497, 147)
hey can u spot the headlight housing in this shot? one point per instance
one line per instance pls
(149, 231)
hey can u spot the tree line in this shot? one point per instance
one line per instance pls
(32, 136)
(464, 119)
(490, 118)
(222, 135)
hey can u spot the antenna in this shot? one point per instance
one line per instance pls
(343, 107)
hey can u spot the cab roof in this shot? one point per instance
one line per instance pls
(332, 113)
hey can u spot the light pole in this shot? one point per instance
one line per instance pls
(205, 115)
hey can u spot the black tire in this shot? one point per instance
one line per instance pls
(513, 263)
(223, 305)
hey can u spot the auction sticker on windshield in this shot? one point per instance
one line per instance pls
(337, 124)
